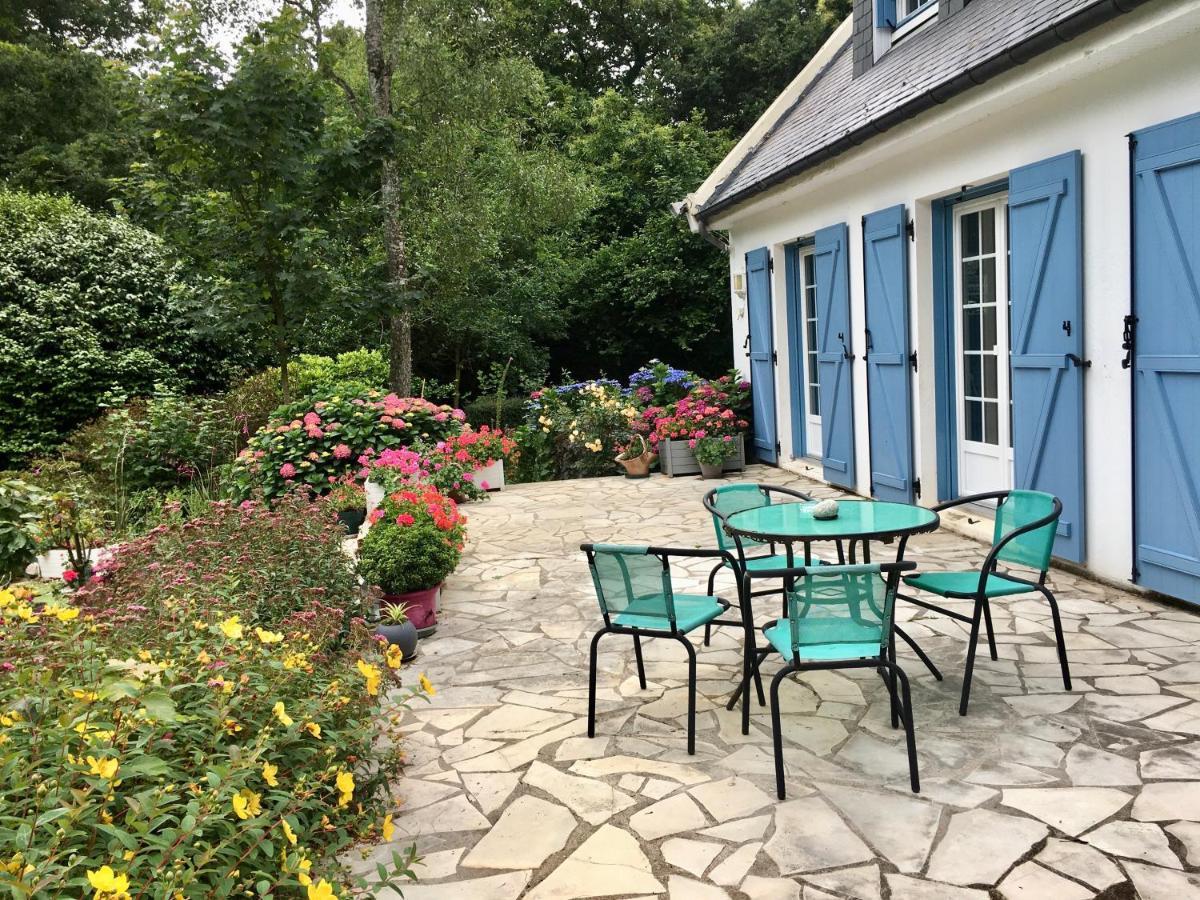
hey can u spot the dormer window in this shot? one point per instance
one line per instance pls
(906, 8)
(896, 18)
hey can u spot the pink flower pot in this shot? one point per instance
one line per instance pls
(421, 606)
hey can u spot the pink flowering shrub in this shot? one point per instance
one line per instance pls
(709, 410)
(315, 443)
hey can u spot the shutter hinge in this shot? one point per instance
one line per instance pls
(778, 448)
(775, 357)
(910, 230)
(770, 264)
(1127, 339)
(917, 487)
(912, 360)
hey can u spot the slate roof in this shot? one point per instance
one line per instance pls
(837, 111)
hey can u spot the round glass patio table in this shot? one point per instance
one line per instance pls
(857, 520)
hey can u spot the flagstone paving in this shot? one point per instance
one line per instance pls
(1037, 793)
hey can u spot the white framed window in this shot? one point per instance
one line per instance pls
(812, 378)
(906, 8)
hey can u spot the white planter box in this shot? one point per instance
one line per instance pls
(493, 475)
(374, 492)
(677, 458)
(53, 563)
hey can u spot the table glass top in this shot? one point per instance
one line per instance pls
(856, 518)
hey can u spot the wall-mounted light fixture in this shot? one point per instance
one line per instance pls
(739, 285)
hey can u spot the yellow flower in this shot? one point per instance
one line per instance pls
(268, 773)
(60, 612)
(288, 833)
(303, 867)
(345, 785)
(322, 890)
(295, 661)
(16, 865)
(281, 714)
(145, 655)
(24, 612)
(232, 628)
(394, 656)
(103, 767)
(89, 696)
(314, 729)
(371, 674)
(108, 884)
(246, 804)
(203, 657)
(268, 637)
(426, 685)
(7, 598)
(388, 828)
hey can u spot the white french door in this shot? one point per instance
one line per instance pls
(812, 380)
(981, 301)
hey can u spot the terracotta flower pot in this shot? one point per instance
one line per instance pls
(638, 466)
(421, 607)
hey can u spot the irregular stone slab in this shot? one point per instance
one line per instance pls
(618, 765)
(755, 887)
(1189, 835)
(1134, 840)
(495, 887)
(1130, 684)
(1081, 862)
(1130, 707)
(1168, 801)
(1153, 883)
(878, 758)
(468, 750)
(814, 733)
(680, 888)
(733, 868)
(1185, 720)
(904, 887)
(1180, 763)
(691, 856)
(1041, 704)
(980, 845)
(592, 800)
(489, 790)
(454, 814)
(1184, 673)
(515, 722)
(521, 753)
(1029, 880)
(631, 783)
(901, 828)
(861, 882)
(529, 832)
(441, 864)
(609, 863)
(671, 816)
(830, 685)
(740, 831)
(1072, 810)
(1001, 774)
(656, 788)
(415, 793)
(582, 748)
(1089, 766)
(730, 798)
(809, 835)
(949, 792)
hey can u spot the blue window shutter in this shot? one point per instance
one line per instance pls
(1046, 284)
(889, 387)
(1166, 362)
(885, 13)
(762, 351)
(833, 353)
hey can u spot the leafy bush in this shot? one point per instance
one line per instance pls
(195, 758)
(89, 309)
(584, 425)
(709, 410)
(660, 384)
(316, 443)
(483, 412)
(20, 511)
(415, 541)
(261, 562)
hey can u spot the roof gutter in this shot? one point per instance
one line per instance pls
(1036, 44)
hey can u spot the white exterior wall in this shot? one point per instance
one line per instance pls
(1140, 70)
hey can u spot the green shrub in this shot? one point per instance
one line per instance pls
(192, 757)
(482, 412)
(415, 541)
(89, 309)
(21, 507)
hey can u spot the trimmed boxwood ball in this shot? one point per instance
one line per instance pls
(400, 559)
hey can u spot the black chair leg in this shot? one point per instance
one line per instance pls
(712, 577)
(592, 682)
(920, 653)
(691, 651)
(762, 698)
(970, 668)
(910, 736)
(987, 619)
(1058, 637)
(641, 666)
(892, 672)
(777, 730)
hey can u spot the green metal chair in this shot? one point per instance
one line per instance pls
(633, 586)
(1024, 535)
(838, 617)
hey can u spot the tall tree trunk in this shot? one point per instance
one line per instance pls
(379, 82)
(282, 349)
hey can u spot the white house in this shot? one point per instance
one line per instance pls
(965, 256)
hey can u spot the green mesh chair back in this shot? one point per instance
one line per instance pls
(735, 498)
(629, 579)
(1018, 509)
(841, 612)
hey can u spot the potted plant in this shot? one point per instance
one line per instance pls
(71, 526)
(349, 501)
(414, 542)
(637, 458)
(397, 629)
(712, 452)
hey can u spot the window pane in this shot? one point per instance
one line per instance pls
(987, 225)
(971, 328)
(973, 376)
(970, 234)
(973, 420)
(809, 260)
(989, 279)
(989, 327)
(971, 282)
(991, 421)
(990, 388)
(814, 401)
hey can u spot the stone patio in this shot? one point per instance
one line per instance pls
(1037, 793)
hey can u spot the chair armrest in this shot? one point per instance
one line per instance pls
(780, 489)
(974, 498)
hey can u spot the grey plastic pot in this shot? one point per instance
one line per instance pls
(403, 636)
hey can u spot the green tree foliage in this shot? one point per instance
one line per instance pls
(84, 23)
(89, 307)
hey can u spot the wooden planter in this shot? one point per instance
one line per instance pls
(677, 458)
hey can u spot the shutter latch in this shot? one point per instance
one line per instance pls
(1127, 340)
